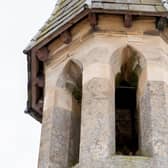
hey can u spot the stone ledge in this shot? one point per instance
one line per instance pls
(118, 162)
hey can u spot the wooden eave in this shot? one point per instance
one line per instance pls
(123, 12)
(31, 52)
(53, 34)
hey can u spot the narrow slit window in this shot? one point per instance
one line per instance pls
(73, 76)
(126, 114)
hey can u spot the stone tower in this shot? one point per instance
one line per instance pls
(98, 83)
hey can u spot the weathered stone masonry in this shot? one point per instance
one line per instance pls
(75, 67)
(97, 138)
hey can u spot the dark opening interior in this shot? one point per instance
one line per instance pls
(76, 126)
(126, 118)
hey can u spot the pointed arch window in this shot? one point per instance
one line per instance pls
(71, 81)
(126, 113)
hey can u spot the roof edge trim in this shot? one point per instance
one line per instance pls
(80, 16)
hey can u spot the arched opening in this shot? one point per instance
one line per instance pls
(71, 81)
(126, 112)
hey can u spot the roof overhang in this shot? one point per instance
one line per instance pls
(32, 50)
(55, 33)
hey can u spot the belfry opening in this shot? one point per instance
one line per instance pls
(72, 82)
(126, 113)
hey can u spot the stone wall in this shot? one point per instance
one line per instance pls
(99, 54)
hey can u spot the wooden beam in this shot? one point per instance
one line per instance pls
(83, 14)
(42, 54)
(128, 20)
(66, 37)
(34, 70)
(152, 32)
(37, 82)
(92, 20)
(57, 33)
(137, 13)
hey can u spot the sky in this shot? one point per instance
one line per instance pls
(19, 133)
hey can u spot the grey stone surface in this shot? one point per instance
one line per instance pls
(118, 162)
(154, 125)
(74, 143)
(61, 128)
(145, 125)
(44, 152)
(98, 120)
(59, 139)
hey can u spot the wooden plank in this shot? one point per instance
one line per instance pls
(36, 104)
(34, 70)
(163, 14)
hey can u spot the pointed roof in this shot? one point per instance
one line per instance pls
(68, 12)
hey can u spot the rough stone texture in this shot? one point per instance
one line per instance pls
(74, 144)
(60, 134)
(98, 118)
(159, 115)
(59, 140)
(119, 162)
(100, 54)
(44, 153)
(154, 125)
(145, 123)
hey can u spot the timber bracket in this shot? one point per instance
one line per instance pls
(93, 20)
(42, 54)
(128, 20)
(36, 82)
(66, 37)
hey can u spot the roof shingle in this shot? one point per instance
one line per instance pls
(66, 10)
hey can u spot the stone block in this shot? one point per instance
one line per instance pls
(119, 162)
(98, 118)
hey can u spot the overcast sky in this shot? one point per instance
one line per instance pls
(19, 133)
